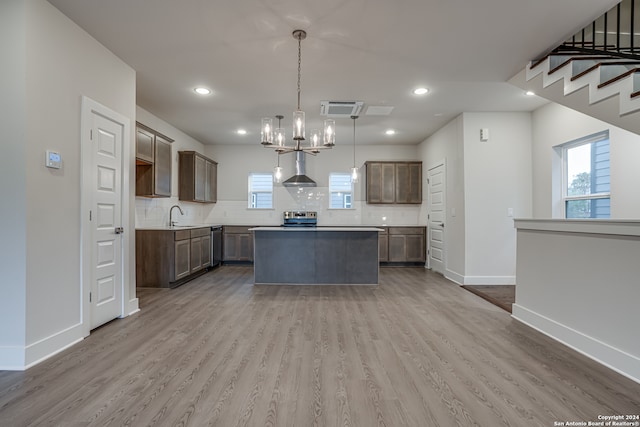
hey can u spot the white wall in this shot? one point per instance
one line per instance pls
(484, 180)
(555, 259)
(553, 125)
(64, 63)
(13, 209)
(497, 178)
(235, 162)
(448, 144)
(155, 212)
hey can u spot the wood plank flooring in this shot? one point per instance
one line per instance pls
(504, 296)
(415, 351)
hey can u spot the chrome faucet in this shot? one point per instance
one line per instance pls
(171, 221)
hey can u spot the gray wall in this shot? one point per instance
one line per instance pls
(554, 124)
(64, 63)
(13, 209)
(484, 180)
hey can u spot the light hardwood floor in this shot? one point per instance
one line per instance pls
(415, 351)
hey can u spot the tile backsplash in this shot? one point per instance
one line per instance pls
(155, 212)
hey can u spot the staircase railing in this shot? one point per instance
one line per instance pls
(616, 33)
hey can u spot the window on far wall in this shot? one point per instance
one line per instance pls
(587, 177)
(260, 191)
(341, 190)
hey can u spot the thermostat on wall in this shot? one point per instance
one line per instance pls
(53, 160)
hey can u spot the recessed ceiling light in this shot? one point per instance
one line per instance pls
(202, 91)
(530, 93)
(390, 132)
(242, 132)
(420, 91)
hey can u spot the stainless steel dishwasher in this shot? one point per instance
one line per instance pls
(216, 245)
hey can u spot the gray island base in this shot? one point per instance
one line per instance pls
(316, 255)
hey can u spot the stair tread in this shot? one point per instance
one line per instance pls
(619, 77)
(580, 58)
(590, 69)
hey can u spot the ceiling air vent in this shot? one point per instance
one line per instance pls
(340, 108)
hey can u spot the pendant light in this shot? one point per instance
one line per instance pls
(318, 141)
(354, 169)
(277, 171)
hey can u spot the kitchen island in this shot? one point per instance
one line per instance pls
(316, 255)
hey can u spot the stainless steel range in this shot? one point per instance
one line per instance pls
(300, 219)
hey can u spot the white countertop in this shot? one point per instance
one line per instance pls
(177, 227)
(316, 229)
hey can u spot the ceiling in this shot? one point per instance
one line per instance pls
(376, 51)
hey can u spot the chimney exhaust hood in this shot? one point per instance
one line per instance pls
(299, 179)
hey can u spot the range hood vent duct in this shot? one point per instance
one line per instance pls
(300, 179)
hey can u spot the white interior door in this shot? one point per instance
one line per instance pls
(105, 220)
(436, 225)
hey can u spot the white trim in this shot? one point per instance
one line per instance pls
(52, 345)
(563, 152)
(489, 280)
(591, 226)
(18, 358)
(454, 277)
(614, 358)
(88, 107)
(427, 264)
(134, 307)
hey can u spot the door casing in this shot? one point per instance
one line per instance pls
(90, 107)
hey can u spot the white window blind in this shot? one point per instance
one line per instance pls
(341, 190)
(261, 191)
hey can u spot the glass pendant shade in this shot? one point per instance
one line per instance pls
(354, 174)
(315, 138)
(266, 131)
(329, 138)
(280, 137)
(277, 174)
(298, 125)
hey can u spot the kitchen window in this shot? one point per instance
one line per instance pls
(587, 177)
(341, 190)
(260, 191)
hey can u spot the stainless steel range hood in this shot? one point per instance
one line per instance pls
(300, 179)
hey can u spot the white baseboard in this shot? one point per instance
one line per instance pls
(479, 280)
(51, 345)
(454, 277)
(489, 280)
(614, 358)
(18, 358)
(133, 306)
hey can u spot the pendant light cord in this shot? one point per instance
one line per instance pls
(299, 65)
(354, 140)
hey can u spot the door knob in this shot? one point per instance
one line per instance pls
(119, 230)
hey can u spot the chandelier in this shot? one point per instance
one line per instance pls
(276, 138)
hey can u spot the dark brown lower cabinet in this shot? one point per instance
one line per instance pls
(383, 245)
(237, 244)
(168, 258)
(182, 257)
(406, 244)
